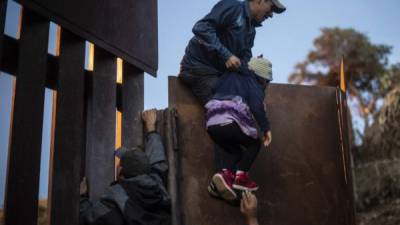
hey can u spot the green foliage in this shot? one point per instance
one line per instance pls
(391, 77)
(364, 61)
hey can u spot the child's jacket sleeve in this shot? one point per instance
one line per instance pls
(257, 108)
(255, 101)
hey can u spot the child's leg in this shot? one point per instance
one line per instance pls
(229, 154)
(242, 180)
(219, 158)
(249, 155)
(231, 139)
(227, 149)
(240, 149)
(234, 139)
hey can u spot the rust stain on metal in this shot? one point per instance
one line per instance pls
(300, 174)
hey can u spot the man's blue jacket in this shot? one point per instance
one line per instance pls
(227, 30)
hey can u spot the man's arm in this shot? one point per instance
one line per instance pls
(156, 153)
(92, 213)
(256, 104)
(248, 54)
(223, 15)
(99, 213)
(248, 207)
(154, 147)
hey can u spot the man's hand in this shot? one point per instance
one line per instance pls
(83, 190)
(248, 207)
(149, 118)
(233, 63)
(267, 138)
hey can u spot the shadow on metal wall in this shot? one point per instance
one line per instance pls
(303, 176)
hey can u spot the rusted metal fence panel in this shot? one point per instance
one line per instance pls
(69, 132)
(166, 127)
(127, 29)
(347, 155)
(26, 136)
(301, 175)
(171, 143)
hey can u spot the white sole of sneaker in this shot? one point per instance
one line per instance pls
(238, 187)
(212, 192)
(224, 190)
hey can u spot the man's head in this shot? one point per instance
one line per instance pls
(133, 162)
(263, 9)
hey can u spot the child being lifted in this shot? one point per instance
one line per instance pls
(232, 116)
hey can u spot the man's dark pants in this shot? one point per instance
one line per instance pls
(201, 83)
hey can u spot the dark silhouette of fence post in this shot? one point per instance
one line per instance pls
(3, 9)
(132, 105)
(26, 136)
(101, 119)
(69, 132)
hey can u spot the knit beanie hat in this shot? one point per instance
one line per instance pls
(262, 67)
(134, 161)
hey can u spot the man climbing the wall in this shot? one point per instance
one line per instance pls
(138, 196)
(223, 40)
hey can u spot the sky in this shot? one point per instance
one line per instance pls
(285, 40)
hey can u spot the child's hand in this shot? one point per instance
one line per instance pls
(267, 138)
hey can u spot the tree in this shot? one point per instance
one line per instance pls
(391, 78)
(366, 66)
(382, 138)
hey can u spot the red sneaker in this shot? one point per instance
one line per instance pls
(242, 182)
(223, 183)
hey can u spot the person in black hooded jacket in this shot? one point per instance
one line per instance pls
(139, 196)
